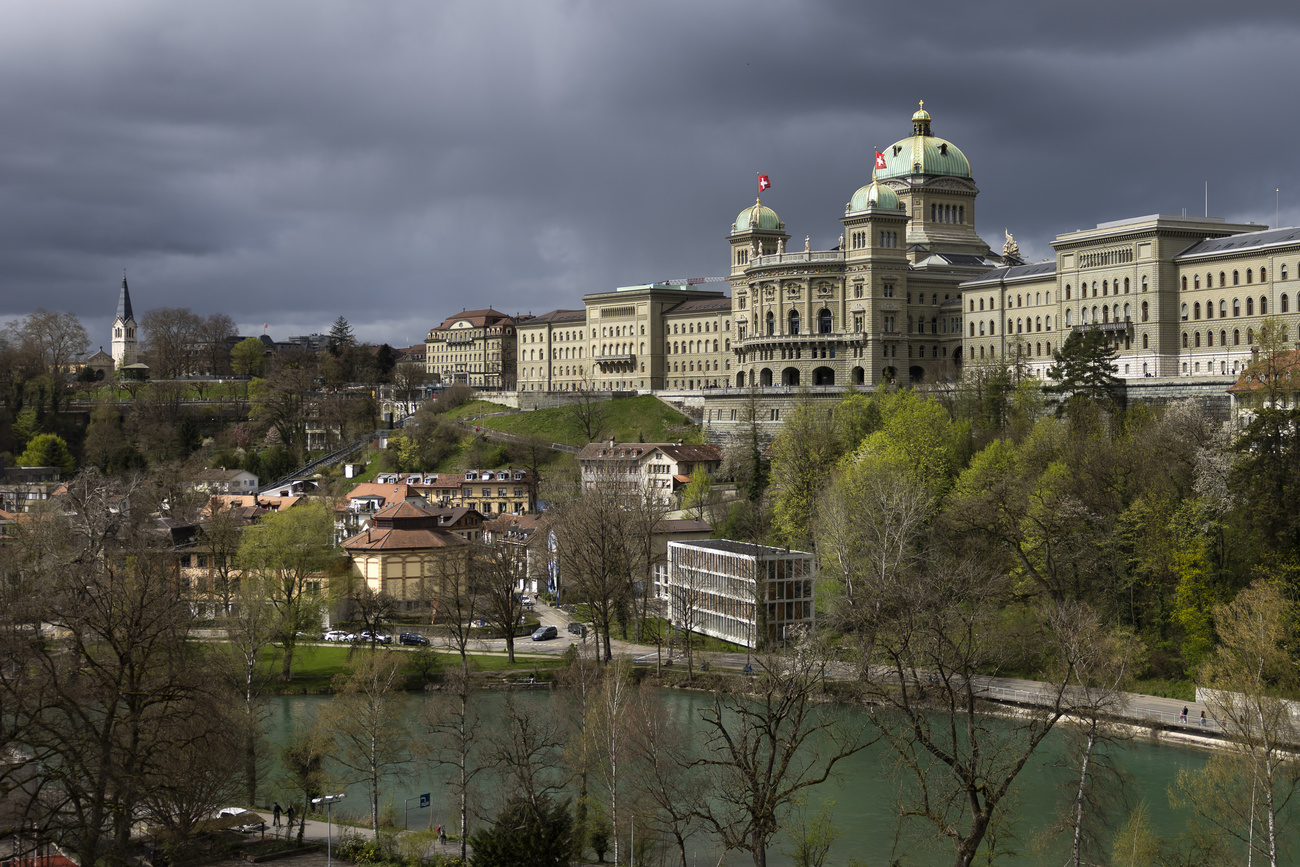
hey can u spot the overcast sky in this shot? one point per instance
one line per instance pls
(395, 162)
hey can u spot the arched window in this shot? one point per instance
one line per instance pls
(1283, 272)
(1196, 310)
(1146, 311)
(1250, 306)
(824, 321)
(1236, 278)
(1223, 338)
(1222, 280)
(1263, 305)
(1067, 317)
(1145, 342)
(1184, 282)
(981, 303)
(1263, 275)
(1196, 340)
(1209, 338)
(1236, 337)
(771, 326)
(1184, 310)
(1250, 337)
(972, 329)
(993, 328)
(1125, 285)
(1105, 287)
(1184, 340)
(1126, 313)
(1196, 281)
(1038, 349)
(1250, 275)
(1067, 293)
(1286, 303)
(1236, 306)
(1038, 323)
(1223, 309)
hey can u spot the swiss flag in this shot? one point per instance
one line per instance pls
(763, 183)
(880, 161)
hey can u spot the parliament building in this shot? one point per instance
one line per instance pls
(912, 293)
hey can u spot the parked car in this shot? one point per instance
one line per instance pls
(414, 639)
(576, 628)
(248, 822)
(545, 632)
(336, 635)
(378, 638)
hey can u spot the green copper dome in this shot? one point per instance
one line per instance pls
(924, 154)
(873, 195)
(757, 216)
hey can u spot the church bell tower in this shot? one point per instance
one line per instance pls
(124, 330)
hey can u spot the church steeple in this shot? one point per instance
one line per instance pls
(124, 330)
(124, 302)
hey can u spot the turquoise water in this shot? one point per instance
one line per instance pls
(865, 792)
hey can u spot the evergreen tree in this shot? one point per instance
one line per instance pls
(341, 337)
(48, 450)
(1085, 367)
(524, 834)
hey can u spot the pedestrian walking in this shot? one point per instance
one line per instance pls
(289, 816)
(1183, 716)
(442, 834)
(1202, 718)
(275, 816)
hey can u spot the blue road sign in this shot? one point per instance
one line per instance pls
(424, 800)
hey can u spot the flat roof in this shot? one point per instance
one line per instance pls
(749, 549)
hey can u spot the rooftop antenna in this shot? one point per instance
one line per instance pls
(1207, 198)
(1277, 206)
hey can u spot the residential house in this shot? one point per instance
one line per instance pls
(656, 470)
(224, 481)
(406, 554)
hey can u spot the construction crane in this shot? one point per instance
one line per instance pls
(694, 281)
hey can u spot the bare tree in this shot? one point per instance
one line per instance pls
(117, 697)
(496, 573)
(767, 743)
(454, 730)
(374, 609)
(214, 333)
(219, 539)
(250, 629)
(588, 412)
(925, 643)
(368, 721)
(609, 728)
(594, 555)
(668, 778)
(525, 749)
(172, 341)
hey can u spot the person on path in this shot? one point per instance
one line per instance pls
(1202, 718)
(442, 834)
(275, 820)
(1183, 718)
(289, 816)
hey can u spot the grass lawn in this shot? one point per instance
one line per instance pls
(476, 407)
(643, 418)
(658, 626)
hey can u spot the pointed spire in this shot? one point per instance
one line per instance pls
(124, 301)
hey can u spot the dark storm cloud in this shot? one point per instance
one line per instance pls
(287, 162)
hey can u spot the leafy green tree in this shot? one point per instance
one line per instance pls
(803, 456)
(48, 450)
(248, 357)
(107, 446)
(286, 554)
(695, 496)
(1085, 367)
(522, 833)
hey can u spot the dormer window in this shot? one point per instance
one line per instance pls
(501, 477)
(469, 476)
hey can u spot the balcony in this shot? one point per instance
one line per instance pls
(1124, 327)
(796, 258)
(801, 339)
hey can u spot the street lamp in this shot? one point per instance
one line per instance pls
(328, 801)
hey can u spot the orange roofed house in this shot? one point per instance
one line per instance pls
(408, 555)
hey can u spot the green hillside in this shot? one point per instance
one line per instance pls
(629, 419)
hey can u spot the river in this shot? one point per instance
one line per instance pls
(864, 792)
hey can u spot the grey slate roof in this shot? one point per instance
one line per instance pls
(1014, 272)
(1242, 242)
(124, 303)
